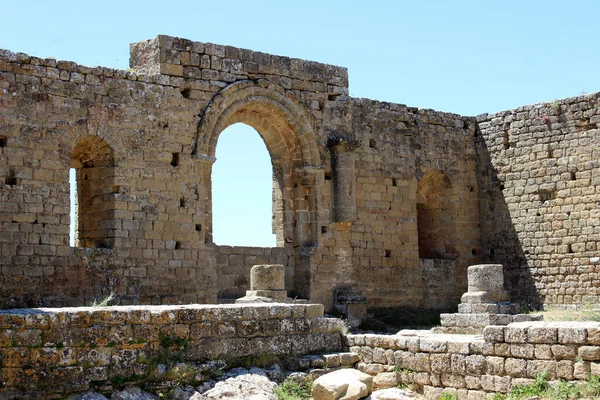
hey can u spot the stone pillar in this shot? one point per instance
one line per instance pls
(343, 176)
(267, 284)
(485, 303)
(486, 284)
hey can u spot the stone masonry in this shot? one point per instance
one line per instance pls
(475, 367)
(50, 353)
(381, 198)
(485, 303)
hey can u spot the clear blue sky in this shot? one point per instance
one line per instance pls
(467, 57)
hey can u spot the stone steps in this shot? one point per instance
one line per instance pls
(325, 362)
(474, 323)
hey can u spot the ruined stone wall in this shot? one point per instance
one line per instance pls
(349, 175)
(156, 210)
(471, 367)
(539, 185)
(378, 249)
(59, 351)
(235, 262)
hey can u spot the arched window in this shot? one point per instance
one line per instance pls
(92, 165)
(246, 202)
(435, 216)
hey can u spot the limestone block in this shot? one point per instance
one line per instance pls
(564, 352)
(472, 382)
(522, 350)
(344, 384)
(267, 277)
(564, 369)
(589, 353)
(572, 335)
(581, 370)
(440, 362)
(349, 358)
(595, 368)
(476, 395)
(515, 334)
(385, 380)
(486, 277)
(458, 363)
(482, 297)
(494, 334)
(593, 336)
(495, 365)
(475, 364)
(332, 360)
(542, 334)
(502, 349)
(537, 367)
(421, 362)
(431, 345)
(543, 351)
(453, 380)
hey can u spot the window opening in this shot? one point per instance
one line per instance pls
(74, 205)
(244, 195)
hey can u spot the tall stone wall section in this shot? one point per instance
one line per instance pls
(378, 250)
(142, 142)
(472, 366)
(539, 185)
(49, 353)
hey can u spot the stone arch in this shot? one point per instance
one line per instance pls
(435, 216)
(266, 108)
(290, 140)
(93, 159)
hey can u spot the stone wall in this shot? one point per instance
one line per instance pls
(350, 176)
(539, 179)
(234, 264)
(471, 366)
(378, 250)
(59, 351)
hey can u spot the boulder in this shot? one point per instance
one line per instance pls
(242, 387)
(343, 384)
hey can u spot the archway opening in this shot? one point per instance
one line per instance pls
(246, 200)
(91, 178)
(435, 217)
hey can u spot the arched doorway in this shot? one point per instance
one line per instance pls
(92, 166)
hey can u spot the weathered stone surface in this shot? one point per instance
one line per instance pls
(91, 395)
(344, 384)
(385, 380)
(486, 278)
(391, 394)
(133, 393)
(247, 386)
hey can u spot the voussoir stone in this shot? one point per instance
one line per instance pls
(343, 384)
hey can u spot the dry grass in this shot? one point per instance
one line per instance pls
(585, 313)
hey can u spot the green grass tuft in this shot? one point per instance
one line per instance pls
(295, 389)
